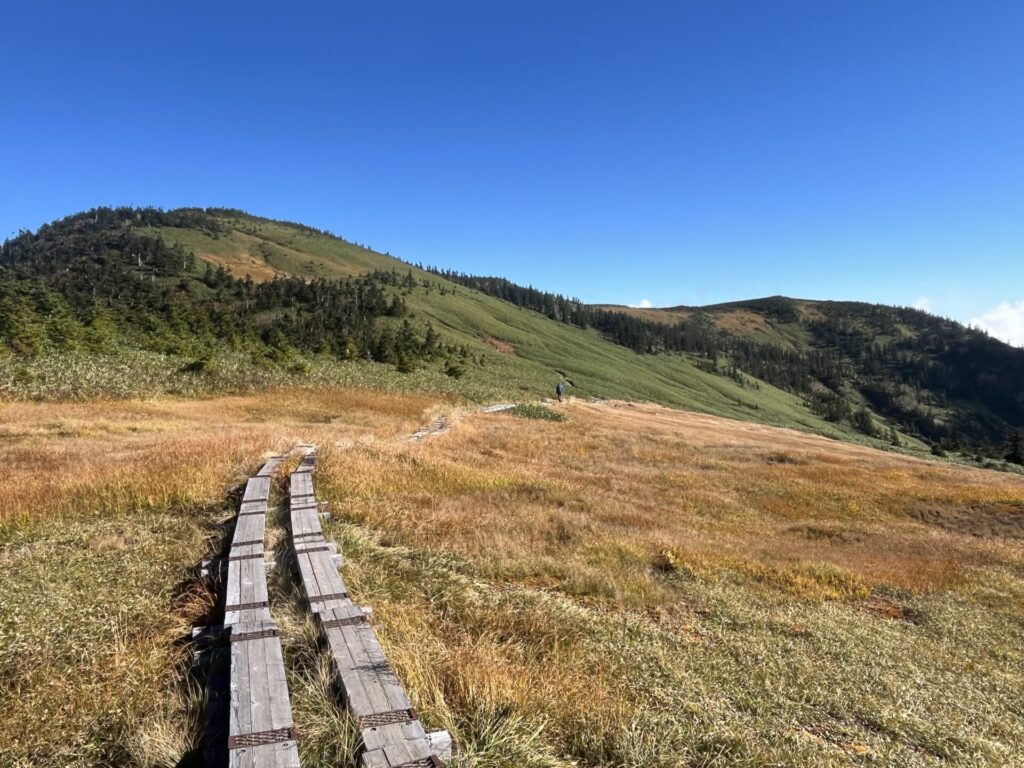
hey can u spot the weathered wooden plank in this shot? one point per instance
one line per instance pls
(306, 573)
(270, 466)
(281, 755)
(412, 733)
(375, 759)
(361, 668)
(250, 529)
(257, 489)
(392, 732)
(385, 673)
(259, 686)
(398, 753)
(328, 580)
(240, 719)
(280, 707)
(259, 693)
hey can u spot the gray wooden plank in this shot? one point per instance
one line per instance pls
(375, 692)
(257, 488)
(384, 672)
(357, 699)
(284, 754)
(413, 733)
(240, 718)
(375, 759)
(329, 581)
(306, 573)
(280, 704)
(398, 753)
(259, 685)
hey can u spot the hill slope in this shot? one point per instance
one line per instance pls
(930, 375)
(196, 300)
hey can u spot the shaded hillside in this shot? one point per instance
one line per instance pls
(931, 375)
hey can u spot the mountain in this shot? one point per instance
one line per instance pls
(930, 375)
(131, 301)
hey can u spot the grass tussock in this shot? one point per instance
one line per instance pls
(537, 411)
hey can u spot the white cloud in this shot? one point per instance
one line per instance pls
(923, 303)
(644, 304)
(1005, 322)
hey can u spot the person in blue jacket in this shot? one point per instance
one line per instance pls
(559, 390)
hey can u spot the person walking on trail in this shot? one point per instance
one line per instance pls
(559, 390)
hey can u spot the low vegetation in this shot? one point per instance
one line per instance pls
(109, 506)
(537, 411)
(641, 587)
(632, 586)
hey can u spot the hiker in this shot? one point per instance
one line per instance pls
(559, 390)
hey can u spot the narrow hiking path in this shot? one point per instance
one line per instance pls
(389, 727)
(260, 730)
(443, 423)
(249, 645)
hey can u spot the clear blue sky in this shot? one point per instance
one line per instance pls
(678, 152)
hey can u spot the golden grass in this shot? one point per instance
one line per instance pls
(641, 586)
(596, 501)
(106, 508)
(633, 587)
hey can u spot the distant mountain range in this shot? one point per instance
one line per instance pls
(185, 292)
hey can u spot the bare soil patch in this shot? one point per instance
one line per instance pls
(505, 347)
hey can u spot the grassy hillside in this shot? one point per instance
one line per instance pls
(195, 301)
(521, 351)
(928, 374)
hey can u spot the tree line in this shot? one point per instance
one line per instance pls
(952, 386)
(92, 282)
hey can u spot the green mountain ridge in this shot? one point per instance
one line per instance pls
(194, 300)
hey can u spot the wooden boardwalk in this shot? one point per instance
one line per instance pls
(393, 736)
(261, 730)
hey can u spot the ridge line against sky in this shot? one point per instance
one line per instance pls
(678, 153)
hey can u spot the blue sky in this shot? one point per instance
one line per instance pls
(677, 153)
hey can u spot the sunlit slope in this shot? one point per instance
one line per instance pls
(533, 348)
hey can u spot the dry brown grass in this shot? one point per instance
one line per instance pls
(590, 504)
(641, 586)
(633, 587)
(106, 507)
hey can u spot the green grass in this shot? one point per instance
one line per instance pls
(542, 347)
(535, 411)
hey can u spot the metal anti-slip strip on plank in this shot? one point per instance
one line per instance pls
(247, 606)
(256, 512)
(393, 717)
(307, 535)
(241, 637)
(315, 548)
(332, 596)
(251, 556)
(259, 738)
(426, 762)
(350, 621)
(245, 543)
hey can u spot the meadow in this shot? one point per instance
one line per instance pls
(644, 587)
(629, 586)
(108, 509)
